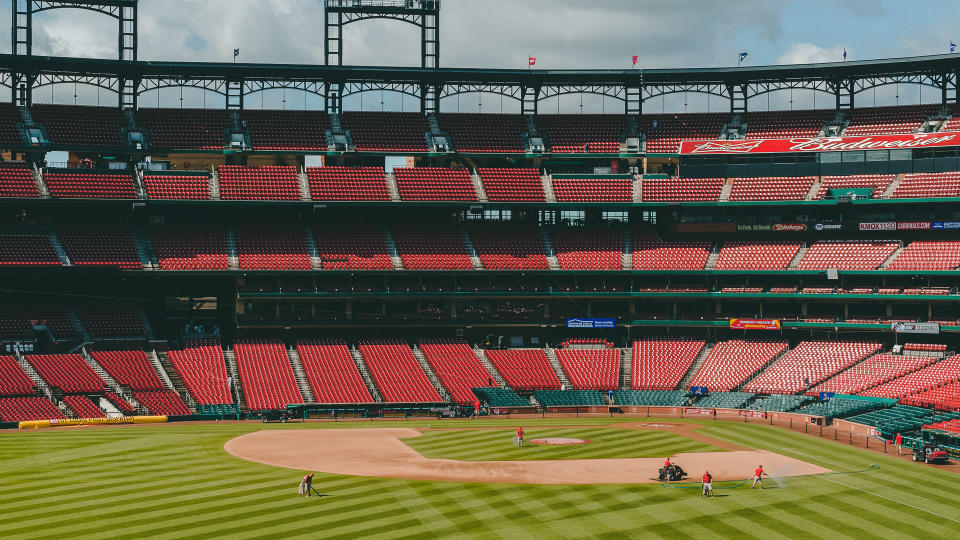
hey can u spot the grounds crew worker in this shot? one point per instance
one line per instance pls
(898, 440)
(520, 436)
(758, 477)
(707, 484)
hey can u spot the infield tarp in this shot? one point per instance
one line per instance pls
(58, 422)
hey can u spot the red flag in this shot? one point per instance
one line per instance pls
(634, 59)
(532, 60)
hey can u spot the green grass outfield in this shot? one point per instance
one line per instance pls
(175, 480)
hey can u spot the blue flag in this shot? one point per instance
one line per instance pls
(953, 46)
(236, 53)
(844, 53)
(742, 56)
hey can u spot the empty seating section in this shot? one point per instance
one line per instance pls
(579, 249)
(593, 189)
(847, 255)
(887, 120)
(187, 129)
(386, 131)
(203, 371)
(726, 400)
(457, 366)
(786, 124)
(731, 363)
(22, 409)
(18, 321)
(27, 250)
(877, 182)
(13, 379)
(591, 369)
(782, 403)
(266, 375)
(915, 185)
(356, 248)
(478, 132)
(927, 255)
(494, 396)
(272, 248)
(750, 255)
(129, 368)
(331, 372)
(524, 369)
(9, 130)
(811, 361)
(681, 189)
(651, 398)
(431, 249)
(582, 133)
(176, 185)
(82, 407)
(651, 253)
(122, 404)
(569, 398)
(190, 248)
(932, 376)
(81, 126)
(286, 129)
(434, 184)
(396, 372)
(665, 131)
(161, 402)
(941, 397)
(512, 184)
(348, 184)
(112, 320)
(68, 372)
(266, 183)
(875, 370)
(84, 183)
(509, 248)
(100, 246)
(777, 188)
(661, 363)
(16, 180)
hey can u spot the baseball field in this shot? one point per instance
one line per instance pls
(213, 480)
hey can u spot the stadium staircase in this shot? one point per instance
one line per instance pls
(637, 189)
(144, 250)
(549, 250)
(471, 249)
(302, 382)
(155, 362)
(725, 191)
(834, 127)
(109, 408)
(392, 249)
(712, 257)
(315, 262)
(773, 361)
(814, 189)
(478, 186)
(237, 387)
(365, 374)
(30, 128)
(304, 182)
(138, 185)
(38, 180)
(37, 379)
(547, 182)
(113, 385)
(131, 126)
(233, 257)
(557, 368)
(695, 366)
(77, 323)
(936, 122)
(214, 184)
(888, 193)
(893, 256)
(626, 253)
(795, 262)
(533, 133)
(170, 376)
(146, 324)
(431, 375)
(58, 247)
(494, 374)
(626, 367)
(392, 186)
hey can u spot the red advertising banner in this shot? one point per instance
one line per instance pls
(821, 144)
(755, 324)
(699, 412)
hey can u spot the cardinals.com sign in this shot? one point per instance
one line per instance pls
(755, 324)
(820, 144)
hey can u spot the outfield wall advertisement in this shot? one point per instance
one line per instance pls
(820, 144)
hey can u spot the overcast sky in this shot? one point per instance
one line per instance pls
(503, 33)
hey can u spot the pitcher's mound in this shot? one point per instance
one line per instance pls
(559, 440)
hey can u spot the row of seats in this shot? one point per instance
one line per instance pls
(203, 370)
(731, 363)
(129, 368)
(591, 369)
(268, 182)
(457, 367)
(331, 372)
(661, 363)
(68, 372)
(74, 183)
(23, 409)
(16, 178)
(809, 363)
(932, 376)
(873, 371)
(13, 379)
(396, 372)
(27, 250)
(266, 375)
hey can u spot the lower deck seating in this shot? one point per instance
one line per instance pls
(568, 398)
(726, 400)
(83, 407)
(651, 398)
(23, 409)
(129, 368)
(14, 381)
(779, 403)
(397, 373)
(266, 375)
(593, 369)
(162, 402)
(524, 369)
(730, 363)
(457, 366)
(120, 403)
(932, 376)
(68, 372)
(494, 397)
(661, 363)
(838, 408)
(203, 370)
(331, 372)
(809, 363)
(875, 370)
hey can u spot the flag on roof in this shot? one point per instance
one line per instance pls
(634, 59)
(531, 60)
(844, 53)
(236, 53)
(743, 55)
(953, 46)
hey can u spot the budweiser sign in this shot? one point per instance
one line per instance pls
(821, 144)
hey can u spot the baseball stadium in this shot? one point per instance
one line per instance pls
(308, 298)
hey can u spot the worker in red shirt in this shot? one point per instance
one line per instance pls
(666, 464)
(898, 440)
(520, 436)
(758, 477)
(707, 484)
(476, 408)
